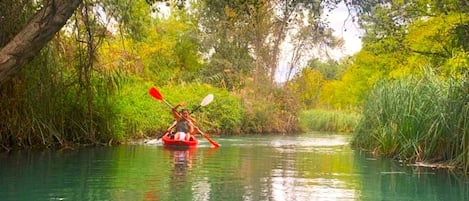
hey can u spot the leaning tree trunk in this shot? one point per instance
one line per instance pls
(34, 36)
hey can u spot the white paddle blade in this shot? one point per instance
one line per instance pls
(207, 100)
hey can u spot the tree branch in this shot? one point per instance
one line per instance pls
(438, 54)
(34, 36)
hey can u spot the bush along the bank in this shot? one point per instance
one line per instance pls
(145, 116)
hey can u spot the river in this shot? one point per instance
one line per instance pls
(313, 166)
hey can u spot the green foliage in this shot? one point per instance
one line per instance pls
(14, 15)
(143, 115)
(328, 120)
(225, 115)
(313, 86)
(167, 54)
(330, 69)
(393, 50)
(307, 86)
(417, 119)
(66, 92)
(137, 110)
(270, 111)
(99, 87)
(172, 51)
(90, 85)
(441, 42)
(349, 91)
(226, 43)
(131, 16)
(222, 115)
(229, 114)
(57, 109)
(243, 38)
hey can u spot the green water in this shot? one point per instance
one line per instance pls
(308, 167)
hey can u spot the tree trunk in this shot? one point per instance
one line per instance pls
(34, 36)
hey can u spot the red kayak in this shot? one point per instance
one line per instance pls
(168, 140)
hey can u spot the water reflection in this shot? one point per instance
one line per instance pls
(311, 169)
(296, 168)
(182, 162)
(388, 180)
(185, 181)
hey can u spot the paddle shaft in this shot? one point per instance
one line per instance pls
(195, 109)
(157, 95)
(204, 102)
(197, 128)
(167, 130)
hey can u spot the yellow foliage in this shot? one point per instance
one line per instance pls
(307, 87)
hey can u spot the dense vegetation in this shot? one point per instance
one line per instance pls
(413, 76)
(89, 83)
(418, 118)
(329, 120)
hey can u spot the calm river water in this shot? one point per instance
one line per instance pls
(315, 166)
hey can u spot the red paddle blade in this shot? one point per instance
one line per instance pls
(215, 144)
(155, 93)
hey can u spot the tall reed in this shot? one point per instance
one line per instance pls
(60, 98)
(418, 118)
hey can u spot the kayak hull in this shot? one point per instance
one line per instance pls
(169, 141)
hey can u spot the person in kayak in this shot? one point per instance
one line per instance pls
(184, 123)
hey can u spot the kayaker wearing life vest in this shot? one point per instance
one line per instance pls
(184, 128)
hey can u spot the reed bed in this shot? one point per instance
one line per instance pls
(329, 120)
(418, 119)
(53, 104)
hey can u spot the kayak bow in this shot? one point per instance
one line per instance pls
(168, 140)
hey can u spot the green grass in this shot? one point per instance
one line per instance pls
(329, 120)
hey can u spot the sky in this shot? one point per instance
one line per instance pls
(346, 29)
(343, 28)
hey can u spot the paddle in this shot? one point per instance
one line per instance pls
(167, 131)
(207, 100)
(157, 95)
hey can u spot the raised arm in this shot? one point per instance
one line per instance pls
(176, 114)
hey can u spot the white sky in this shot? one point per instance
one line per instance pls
(346, 29)
(343, 28)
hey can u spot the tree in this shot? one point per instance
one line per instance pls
(306, 86)
(264, 20)
(260, 28)
(34, 36)
(64, 94)
(401, 38)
